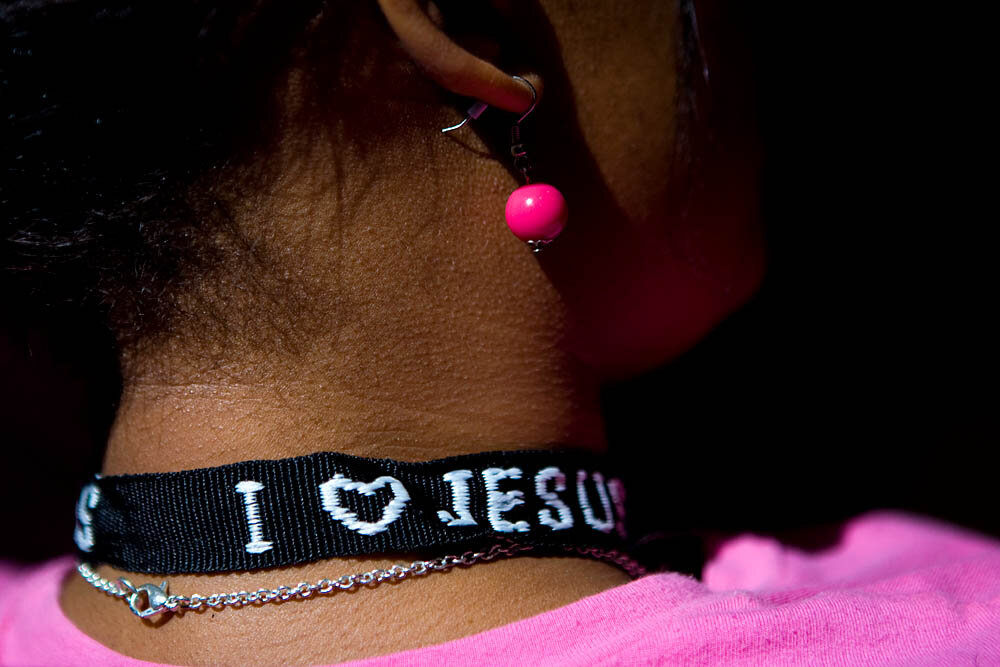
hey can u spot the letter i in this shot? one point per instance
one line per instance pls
(257, 543)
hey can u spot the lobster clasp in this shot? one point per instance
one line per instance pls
(155, 598)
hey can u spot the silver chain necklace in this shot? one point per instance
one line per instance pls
(150, 599)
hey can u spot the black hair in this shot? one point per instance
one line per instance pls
(117, 117)
(113, 111)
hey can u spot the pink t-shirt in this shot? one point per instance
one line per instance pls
(896, 589)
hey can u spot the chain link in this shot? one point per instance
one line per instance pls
(124, 590)
(631, 566)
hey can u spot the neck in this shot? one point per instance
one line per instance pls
(424, 401)
(413, 328)
(168, 428)
(412, 334)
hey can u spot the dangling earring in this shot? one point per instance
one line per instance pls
(536, 212)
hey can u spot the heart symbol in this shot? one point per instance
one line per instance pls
(330, 494)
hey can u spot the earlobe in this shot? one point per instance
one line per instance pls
(451, 66)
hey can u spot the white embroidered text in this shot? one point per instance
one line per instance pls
(257, 543)
(329, 492)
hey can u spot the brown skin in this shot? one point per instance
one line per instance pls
(403, 319)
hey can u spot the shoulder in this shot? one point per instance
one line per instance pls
(893, 589)
(29, 608)
(872, 547)
(33, 628)
(21, 584)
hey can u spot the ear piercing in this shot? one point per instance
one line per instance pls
(536, 212)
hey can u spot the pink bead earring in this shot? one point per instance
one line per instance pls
(536, 212)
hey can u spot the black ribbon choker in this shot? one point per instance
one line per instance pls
(261, 514)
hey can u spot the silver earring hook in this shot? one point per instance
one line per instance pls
(474, 112)
(534, 97)
(477, 109)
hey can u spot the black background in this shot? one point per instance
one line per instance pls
(860, 377)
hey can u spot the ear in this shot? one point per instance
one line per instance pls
(451, 66)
